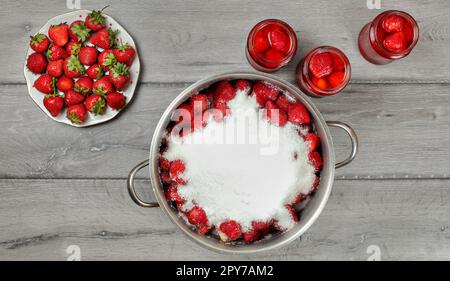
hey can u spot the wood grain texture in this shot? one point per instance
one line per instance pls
(182, 41)
(403, 132)
(41, 218)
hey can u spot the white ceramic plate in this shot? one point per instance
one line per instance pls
(91, 119)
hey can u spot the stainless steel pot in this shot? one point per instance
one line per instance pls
(312, 209)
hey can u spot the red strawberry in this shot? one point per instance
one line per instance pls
(395, 42)
(393, 23)
(119, 76)
(199, 102)
(313, 141)
(104, 38)
(243, 86)
(56, 53)
(78, 31)
(71, 98)
(59, 34)
(125, 53)
(197, 216)
(338, 62)
(298, 114)
(73, 67)
(279, 40)
(55, 68)
(258, 230)
(316, 160)
(83, 85)
(204, 229)
(95, 71)
(95, 104)
(64, 83)
(73, 48)
(275, 115)
(230, 231)
(282, 102)
(115, 100)
(273, 55)
(264, 92)
(76, 113)
(165, 178)
(36, 63)
(45, 84)
(39, 43)
(107, 59)
(261, 42)
(321, 65)
(172, 195)
(88, 55)
(320, 83)
(95, 20)
(164, 164)
(336, 79)
(224, 92)
(177, 168)
(54, 104)
(103, 86)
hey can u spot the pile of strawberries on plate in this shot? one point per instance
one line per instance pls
(81, 66)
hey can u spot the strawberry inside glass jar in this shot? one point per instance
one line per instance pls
(324, 71)
(271, 44)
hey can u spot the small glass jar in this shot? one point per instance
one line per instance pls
(271, 44)
(333, 81)
(371, 41)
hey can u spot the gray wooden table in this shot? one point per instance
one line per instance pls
(62, 186)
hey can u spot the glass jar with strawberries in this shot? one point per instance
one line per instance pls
(325, 71)
(390, 36)
(271, 44)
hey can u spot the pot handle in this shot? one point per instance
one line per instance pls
(132, 191)
(353, 137)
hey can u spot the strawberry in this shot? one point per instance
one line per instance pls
(64, 84)
(76, 113)
(125, 53)
(177, 169)
(115, 100)
(298, 114)
(282, 102)
(55, 68)
(95, 71)
(71, 98)
(54, 104)
(321, 65)
(224, 92)
(59, 34)
(73, 48)
(338, 62)
(243, 86)
(204, 229)
(56, 52)
(73, 67)
(164, 164)
(273, 55)
(119, 76)
(78, 31)
(37, 63)
(197, 216)
(313, 141)
(172, 195)
(336, 79)
(316, 160)
(264, 92)
(88, 55)
(261, 42)
(199, 102)
(45, 84)
(107, 59)
(95, 20)
(279, 40)
(39, 43)
(275, 115)
(165, 178)
(102, 86)
(258, 230)
(395, 42)
(393, 23)
(83, 85)
(291, 211)
(95, 104)
(104, 38)
(320, 83)
(230, 231)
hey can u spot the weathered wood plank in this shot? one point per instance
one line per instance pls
(403, 132)
(182, 41)
(39, 219)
